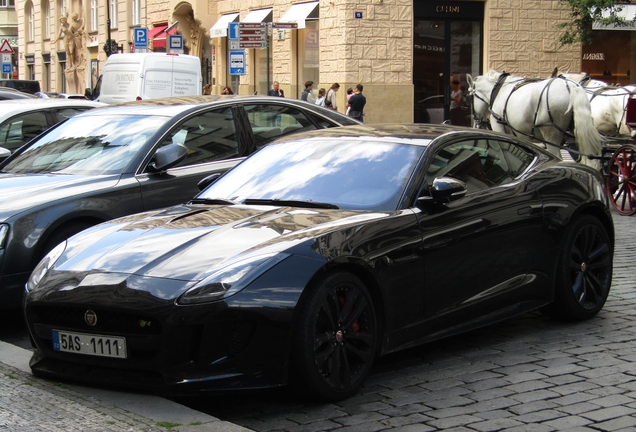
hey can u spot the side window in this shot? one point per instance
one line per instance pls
(270, 121)
(518, 158)
(67, 112)
(209, 137)
(479, 163)
(21, 129)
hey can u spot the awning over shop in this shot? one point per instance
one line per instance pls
(219, 29)
(300, 12)
(628, 13)
(258, 16)
(157, 36)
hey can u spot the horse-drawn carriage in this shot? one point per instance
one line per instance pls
(558, 113)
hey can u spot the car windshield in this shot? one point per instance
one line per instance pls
(347, 173)
(93, 145)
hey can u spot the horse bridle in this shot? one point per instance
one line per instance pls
(480, 122)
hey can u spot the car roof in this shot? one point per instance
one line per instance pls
(17, 106)
(415, 133)
(174, 105)
(385, 131)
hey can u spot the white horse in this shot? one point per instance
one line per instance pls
(541, 110)
(608, 104)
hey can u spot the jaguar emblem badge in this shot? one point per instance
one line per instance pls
(90, 317)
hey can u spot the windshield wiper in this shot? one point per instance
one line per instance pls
(290, 203)
(211, 201)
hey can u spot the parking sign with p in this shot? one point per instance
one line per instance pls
(141, 39)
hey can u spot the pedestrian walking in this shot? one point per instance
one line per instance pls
(207, 89)
(276, 90)
(226, 91)
(331, 97)
(306, 94)
(356, 103)
(321, 97)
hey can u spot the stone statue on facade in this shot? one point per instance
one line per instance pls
(74, 36)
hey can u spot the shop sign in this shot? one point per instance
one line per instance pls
(594, 56)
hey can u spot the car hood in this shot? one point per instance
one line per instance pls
(19, 192)
(185, 242)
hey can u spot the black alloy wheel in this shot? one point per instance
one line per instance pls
(336, 338)
(584, 273)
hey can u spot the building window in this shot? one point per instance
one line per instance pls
(46, 20)
(308, 55)
(113, 14)
(30, 22)
(7, 3)
(135, 12)
(46, 77)
(61, 9)
(94, 11)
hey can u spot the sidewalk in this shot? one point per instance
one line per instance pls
(28, 403)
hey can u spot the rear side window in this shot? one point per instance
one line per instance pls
(21, 129)
(66, 112)
(518, 158)
(270, 121)
(209, 137)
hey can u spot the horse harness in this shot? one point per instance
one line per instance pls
(503, 118)
(602, 93)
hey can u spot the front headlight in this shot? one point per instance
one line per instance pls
(44, 266)
(230, 278)
(4, 230)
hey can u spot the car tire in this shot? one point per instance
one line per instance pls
(335, 338)
(584, 271)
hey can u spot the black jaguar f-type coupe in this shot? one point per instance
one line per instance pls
(319, 253)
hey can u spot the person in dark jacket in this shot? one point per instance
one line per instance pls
(356, 103)
(276, 90)
(306, 94)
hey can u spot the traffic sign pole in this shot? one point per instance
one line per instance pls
(6, 51)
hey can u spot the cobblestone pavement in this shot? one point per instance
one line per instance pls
(527, 374)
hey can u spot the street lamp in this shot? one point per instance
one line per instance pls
(110, 46)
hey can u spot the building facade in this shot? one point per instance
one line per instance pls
(406, 53)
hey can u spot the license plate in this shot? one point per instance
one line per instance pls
(91, 344)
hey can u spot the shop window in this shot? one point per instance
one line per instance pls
(308, 56)
(610, 56)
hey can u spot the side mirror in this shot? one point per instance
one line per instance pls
(4, 153)
(168, 156)
(207, 181)
(445, 190)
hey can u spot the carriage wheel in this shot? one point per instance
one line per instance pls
(621, 180)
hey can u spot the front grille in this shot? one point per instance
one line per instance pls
(108, 321)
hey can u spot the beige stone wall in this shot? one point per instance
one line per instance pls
(521, 38)
(375, 50)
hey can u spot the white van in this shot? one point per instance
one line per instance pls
(140, 76)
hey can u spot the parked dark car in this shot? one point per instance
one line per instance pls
(7, 93)
(27, 86)
(118, 160)
(23, 120)
(318, 253)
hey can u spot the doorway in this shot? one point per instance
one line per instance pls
(445, 50)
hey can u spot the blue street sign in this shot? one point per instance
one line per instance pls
(233, 31)
(176, 42)
(237, 62)
(7, 68)
(141, 37)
